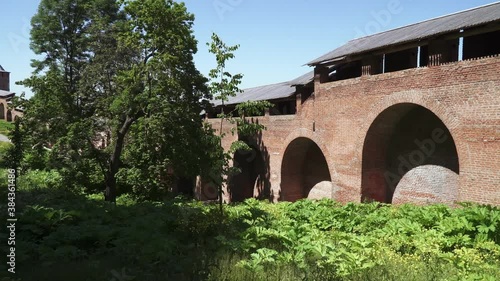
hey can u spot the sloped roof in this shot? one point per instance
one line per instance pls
(5, 94)
(269, 92)
(414, 32)
(303, 79)
(1, 68)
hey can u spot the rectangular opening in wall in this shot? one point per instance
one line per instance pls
(284, 107)
(347, 71)
(423, 56)
(454, 48)
(372, 65)
(401, 60)
(481, 45)
(306, 92)
(443, 51)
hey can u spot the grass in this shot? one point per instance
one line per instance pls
(5, 127)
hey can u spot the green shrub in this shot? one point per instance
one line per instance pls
(38, 179)
(67, 236)
(4, 148)
(35, 159)
(84, 175)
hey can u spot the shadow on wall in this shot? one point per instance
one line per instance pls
(304, 172)
(254, 179)
(401, 139)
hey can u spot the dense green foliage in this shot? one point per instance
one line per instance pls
(117, 97)
(4, 151)
(122, 72)
(69, 236)
(224, 85)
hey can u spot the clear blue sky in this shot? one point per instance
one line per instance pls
(277, 37)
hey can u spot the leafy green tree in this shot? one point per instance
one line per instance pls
(61, 38)
(138, 91)
(223, 86)
(165, 96)
(15, 152)
(158, 95)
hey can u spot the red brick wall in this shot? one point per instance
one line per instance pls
(303, 167)
(6, 109)
(465, 96)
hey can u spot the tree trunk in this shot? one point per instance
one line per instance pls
(114, 161)
(221, 201)
(110, 192)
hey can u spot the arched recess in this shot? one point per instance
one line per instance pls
(253, 178)
(303, 168)
(2, 111)
(9, 116)
(409, 155)
(185, 186)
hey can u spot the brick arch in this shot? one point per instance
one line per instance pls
(305, 167)
(406, 129)
(253, 177)
(9, 116)
(449, 117)
(316, 137)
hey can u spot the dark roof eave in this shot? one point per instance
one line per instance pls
(340, 59)
(274, 99)
(328, 61)
(415, 32)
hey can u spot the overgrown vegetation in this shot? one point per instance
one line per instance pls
(223, 86)
(5, 127)
(65, 235)
(123, 93)
(121, 72)
(4, 152)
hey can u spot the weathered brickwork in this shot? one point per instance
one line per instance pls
(7, 113)
(463, 96)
